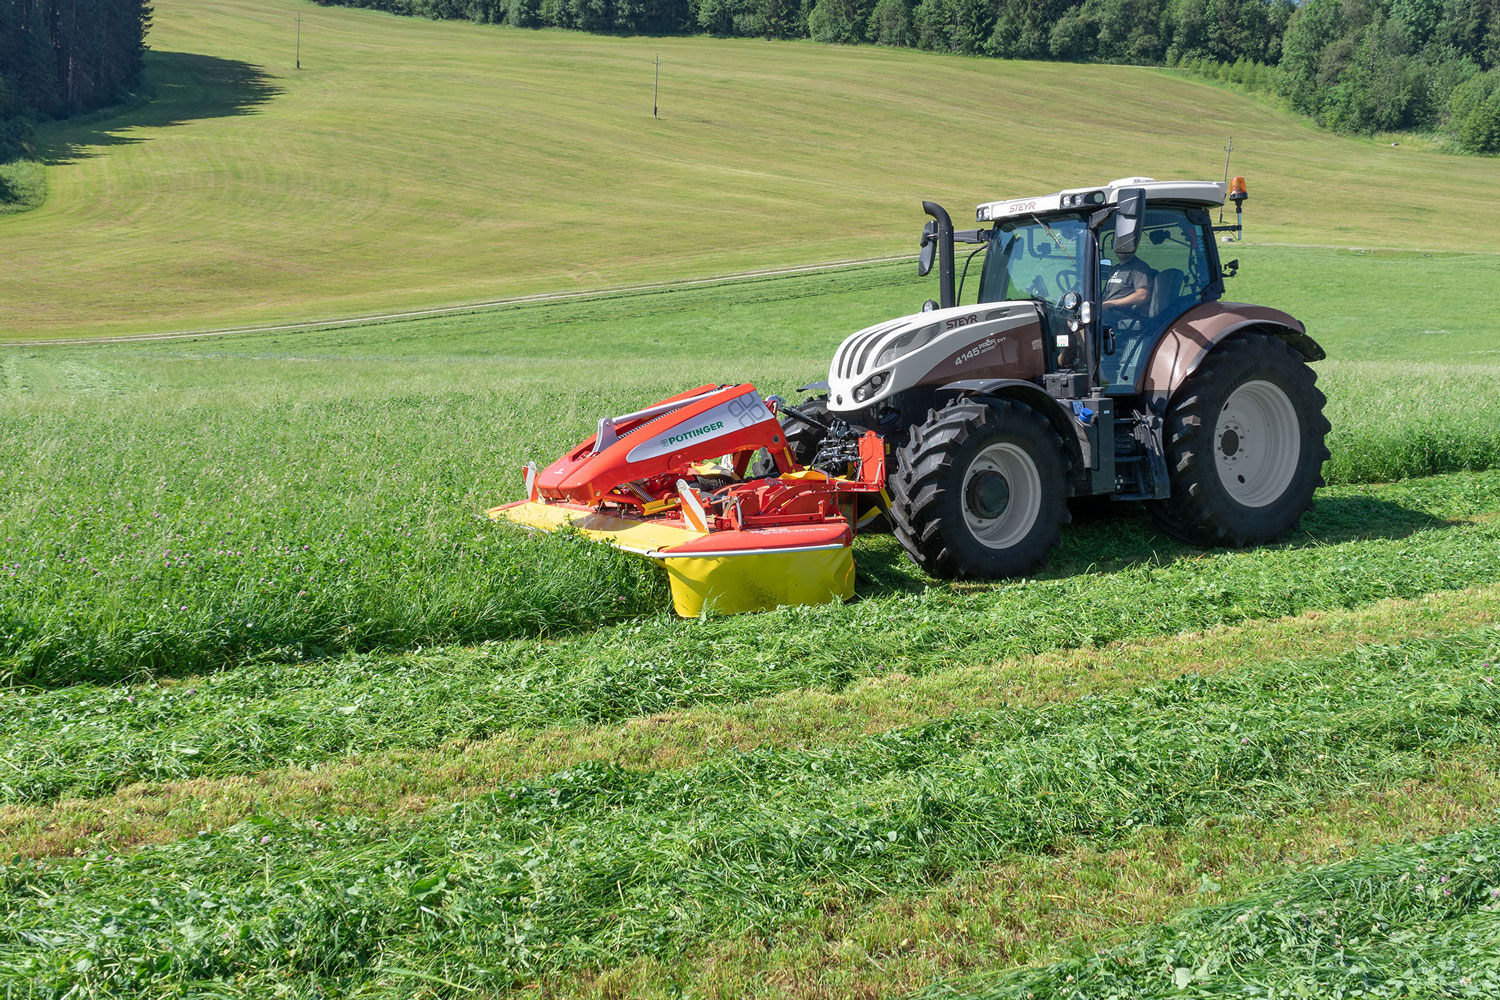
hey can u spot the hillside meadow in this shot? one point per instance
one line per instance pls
(285, 713)
(413, 163)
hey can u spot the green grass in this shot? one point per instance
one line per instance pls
(23, 186)
(412, 163)
(155, 523)
(248, 578)
(597, 863)
(87, 740)
(175, 508)
(1422, 920)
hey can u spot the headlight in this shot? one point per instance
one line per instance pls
(909, 341)
(869, 387)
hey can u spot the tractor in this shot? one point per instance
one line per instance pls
(1097, 359)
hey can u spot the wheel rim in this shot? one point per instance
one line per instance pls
(1001, 496)
(1257, 441)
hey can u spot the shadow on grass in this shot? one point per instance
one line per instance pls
(181, 87)
(1108, 537)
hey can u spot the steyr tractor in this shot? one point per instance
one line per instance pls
(1097, 359)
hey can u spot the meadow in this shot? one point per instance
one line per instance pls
(283, 714)
(412, 163)
(286, 713)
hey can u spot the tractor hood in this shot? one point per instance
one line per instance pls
(992, 340)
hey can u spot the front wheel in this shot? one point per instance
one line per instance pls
(980, 489)
(1245, 446)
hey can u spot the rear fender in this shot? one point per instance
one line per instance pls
(1032, 395)
(1190, 338)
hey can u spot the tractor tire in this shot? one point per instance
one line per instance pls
(980, 489)
(802, 439)
(1245, 446)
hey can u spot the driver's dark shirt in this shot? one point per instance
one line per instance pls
(1128, 276)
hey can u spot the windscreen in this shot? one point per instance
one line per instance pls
(1035, 259)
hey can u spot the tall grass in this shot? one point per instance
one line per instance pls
(178, 543)
(1393, 421)
(138, 544)
(598, 863)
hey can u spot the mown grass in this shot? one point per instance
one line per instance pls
(335, 688)
(1419, 920)
(597, 863)
(1036, 909)
(411, 779)
(411, 163)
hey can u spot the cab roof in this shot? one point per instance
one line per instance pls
(1190, 192)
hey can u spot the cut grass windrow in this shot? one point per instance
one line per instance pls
(1035, 908)
(599, 862)
(1418, 920)
(397, 781)
(87, 740)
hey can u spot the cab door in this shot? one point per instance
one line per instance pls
(1174, 257)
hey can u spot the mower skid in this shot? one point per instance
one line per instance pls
(758, 580)
(727, 572)
(643, 537)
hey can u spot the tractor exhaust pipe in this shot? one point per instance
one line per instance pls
(944, 235)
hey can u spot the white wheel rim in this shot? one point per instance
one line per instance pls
(1257, 441)
(1022, 503)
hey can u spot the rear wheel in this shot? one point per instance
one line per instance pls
(1245, 445)
(980, 489)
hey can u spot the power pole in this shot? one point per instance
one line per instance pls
(656, 88)
(299, 41)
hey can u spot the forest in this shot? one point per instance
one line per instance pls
(63, 57)
(1355, 66)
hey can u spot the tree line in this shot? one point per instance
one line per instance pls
(62, 57)
(1356, 66)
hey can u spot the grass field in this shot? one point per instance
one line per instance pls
(283, 714)
(412, 162)
(287, 714)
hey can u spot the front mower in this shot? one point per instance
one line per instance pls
(672, 482)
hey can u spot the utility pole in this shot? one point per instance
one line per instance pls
(299, 41)
(656, 88)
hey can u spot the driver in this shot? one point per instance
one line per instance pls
(1128, 289)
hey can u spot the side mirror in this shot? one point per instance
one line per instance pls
(929, 249)
(1132, 211)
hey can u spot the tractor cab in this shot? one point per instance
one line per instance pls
(1137, 253)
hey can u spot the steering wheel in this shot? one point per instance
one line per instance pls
(1066, 281)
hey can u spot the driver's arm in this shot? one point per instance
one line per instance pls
(1136, 297)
